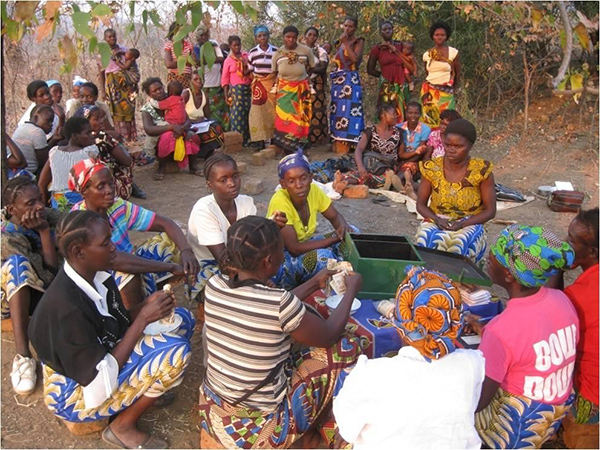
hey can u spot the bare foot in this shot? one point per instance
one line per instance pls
(388, 180)
(397, 183)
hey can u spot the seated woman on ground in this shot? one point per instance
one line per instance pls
(435, 143)
(31, 139)
(463, 199)
(161, 136)
(440, 382)
(54, 178)
(385, 139)
(39, 94)
(97, 361)
(149, 263)
(275, 394)
(300, 200)
(415, 141)
(29, 264)
(112, 152)
(530, 348)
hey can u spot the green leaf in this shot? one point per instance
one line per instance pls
(181, 63)
(65, 68)
(81, 24)
(253, 13)
(180, 17)
(12, 29)
(563, 84)
(131, 27)
(101, 10)
(183, 32)
(93, 45)
(155, 18)
(145, 20)
(196, 9)
(214, 4)
(237, 6)
(4, 12)
(177, 47)
(563, 39)
(75, 7)
(132, 10)
(105, 53)
(207, 54)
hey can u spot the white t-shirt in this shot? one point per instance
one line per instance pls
(208, 225)
(29, 138)
(27, 116)
(408, 402)
(212, 76)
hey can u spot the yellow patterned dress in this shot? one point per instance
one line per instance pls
(455, 201)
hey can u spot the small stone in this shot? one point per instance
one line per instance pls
(253, 186)
(270, 152)
(357, 191)
(242, 166)
(258, 159)
(170, 167)
(233, 148)
(232, 137)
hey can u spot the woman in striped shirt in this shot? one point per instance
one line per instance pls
(259, 392)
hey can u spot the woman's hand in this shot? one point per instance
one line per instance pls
(472, 324)
(353, 282)
(177, 130)
(342, 230)
(363, 172)
(190, 265)
(455, 226)
(344, 38)
(279, 218)
(441, 223)
(322, 277)
(157, 306)
(34, 220)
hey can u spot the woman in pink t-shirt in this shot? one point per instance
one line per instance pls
(530, 348)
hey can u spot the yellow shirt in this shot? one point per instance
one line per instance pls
(317, 202)
(456, 200)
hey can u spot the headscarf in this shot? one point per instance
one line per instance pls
(82, 172)
(462, 127)
(291, 162)
(261, 29)
(532, 254)
(52, 82)
(78, 81)
(200, 31)
(85, 111)
(428, 312)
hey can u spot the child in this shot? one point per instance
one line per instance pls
(174, 105)
(30, 138)
(60, 160)
(88, 95)
(130, 69)
(416, 134)
(408, 49)
(56, 92)
(74, 103)
(435, 143)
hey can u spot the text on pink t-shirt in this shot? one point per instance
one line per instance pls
(530, 348)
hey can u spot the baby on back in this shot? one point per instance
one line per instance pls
(173, 105)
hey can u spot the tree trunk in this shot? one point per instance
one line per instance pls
(528, 75)
(568, 47)
(3, 123)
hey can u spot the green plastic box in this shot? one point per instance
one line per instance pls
(381, 260)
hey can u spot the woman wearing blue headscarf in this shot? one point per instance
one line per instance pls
(300, 200)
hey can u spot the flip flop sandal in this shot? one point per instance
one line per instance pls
(151, 442)
(165, 400)
(158, 176)
(381, 199)
(198, 173)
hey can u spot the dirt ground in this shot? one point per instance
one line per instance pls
(559, 145)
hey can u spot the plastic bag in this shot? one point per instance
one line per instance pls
(179, 153)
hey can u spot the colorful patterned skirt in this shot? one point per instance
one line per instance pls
(262, 111)
(470, 241)
(166, 147)
(319, 129)
(435, 99)
(395, 94)
(241, 95)
(292, 115)
(156, 365)
(122, 175)
(122, 107)
(314, 375)
(208, 269)
(17, 273)
(219, 110)
(210, 140)
(346, 120)
(584, 411)
(513, 421)
(184, 78)
(64, 201)
(295, 270)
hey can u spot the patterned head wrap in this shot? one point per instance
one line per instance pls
(261, 29)
(532, 254)
(428, 313)
(52, 82)
(291, 162)
(78, 81)
(202, 29)
(82, 172)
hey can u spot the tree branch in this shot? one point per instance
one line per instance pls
(569, 45)
(594, 91)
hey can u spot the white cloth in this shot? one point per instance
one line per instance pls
(29, 138)
(61, 163)
(439, 72)
(208, 225)
(106, 381)
(27, 116)
(408, 402)
(212, 76)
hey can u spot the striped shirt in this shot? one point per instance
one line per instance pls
(261, 60)
(124, 216)
(248, 334)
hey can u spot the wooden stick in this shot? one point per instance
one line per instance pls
(594, 91)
